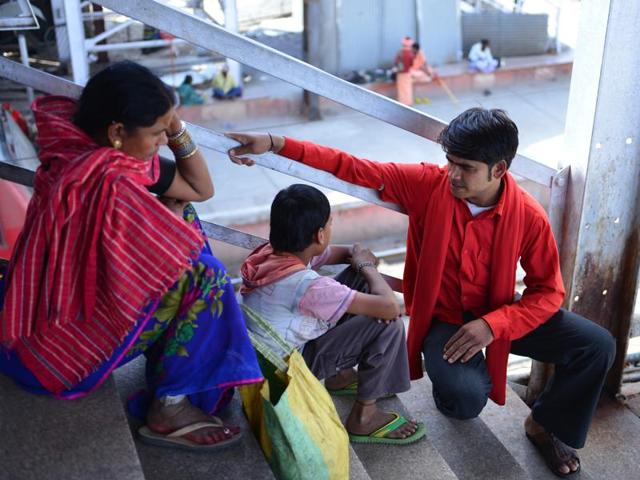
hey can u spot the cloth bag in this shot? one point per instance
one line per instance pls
(291, 413)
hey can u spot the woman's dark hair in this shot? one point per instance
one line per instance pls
(123, 92)
(482, 135)
(297, 213)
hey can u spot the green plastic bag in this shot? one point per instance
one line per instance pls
(291, 413)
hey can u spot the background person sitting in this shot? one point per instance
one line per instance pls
(188, 95)
(420, 71)
(480, 58)
(402, 64)
(224, 85)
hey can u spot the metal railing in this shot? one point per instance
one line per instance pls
(296, 72)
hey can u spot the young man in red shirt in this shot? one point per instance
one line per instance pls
(469, 225)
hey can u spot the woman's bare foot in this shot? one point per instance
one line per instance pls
(168, 418)
(365, 418)
(342, 379)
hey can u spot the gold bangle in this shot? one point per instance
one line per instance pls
(183, 128)
(181, 139)
(188, 155)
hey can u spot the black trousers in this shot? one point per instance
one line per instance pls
(581, 351)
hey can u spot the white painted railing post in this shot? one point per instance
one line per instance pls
(75, 32)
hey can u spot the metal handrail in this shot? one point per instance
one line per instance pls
(24, 176)
(205, 138)
(251, 53)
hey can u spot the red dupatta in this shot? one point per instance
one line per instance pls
(96, 248)
(507, 241)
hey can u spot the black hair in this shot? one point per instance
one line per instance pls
(482, 135)
(297, 213)
(415, 46)
(484, 43)
(123, 92)
(188, 80)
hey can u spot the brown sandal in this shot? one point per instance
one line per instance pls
(554, 452)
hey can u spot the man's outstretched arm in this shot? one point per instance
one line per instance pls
(398, 183)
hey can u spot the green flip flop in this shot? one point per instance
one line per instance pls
(379, 436)
(352, 390)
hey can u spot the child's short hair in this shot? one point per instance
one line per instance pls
(297, 213)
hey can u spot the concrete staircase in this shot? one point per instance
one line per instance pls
(90, 438)
(44, 438)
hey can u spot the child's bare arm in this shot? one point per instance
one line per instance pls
(381, 302)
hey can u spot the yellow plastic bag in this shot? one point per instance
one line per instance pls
(293, 417)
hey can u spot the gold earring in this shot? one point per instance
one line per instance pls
(117, 144)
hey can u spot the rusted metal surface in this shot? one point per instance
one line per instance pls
(541, 372)
(602, 219)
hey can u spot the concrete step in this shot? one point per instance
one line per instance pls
(419, 460)
(507, 424)
(613, 445)
(357, 470)
(469, 447)
(244, 460)
(41, 437)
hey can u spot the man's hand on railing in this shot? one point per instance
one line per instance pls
(253, 143)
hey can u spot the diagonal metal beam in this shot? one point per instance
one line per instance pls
(291, 70)
(16, 174)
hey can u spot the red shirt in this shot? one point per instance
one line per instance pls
(465, 280)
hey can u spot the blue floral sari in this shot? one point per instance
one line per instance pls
(194, 338)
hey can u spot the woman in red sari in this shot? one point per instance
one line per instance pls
(104, 271)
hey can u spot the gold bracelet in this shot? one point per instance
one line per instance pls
(183, 128)
(183, 147)
(188, 155)
(181, 139)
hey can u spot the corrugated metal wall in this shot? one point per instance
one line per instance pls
(440, 36)
(370, 31)
(511, 34)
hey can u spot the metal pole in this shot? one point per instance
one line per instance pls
(75, 29)
(231, 24)
(62, 38)
(541, 372)
(601, 235)
(311, 47)
(98, 29)
(24, 56)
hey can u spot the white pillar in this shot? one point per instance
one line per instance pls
(62, 37)
(231, 24)
(75, 31)
(24, 56)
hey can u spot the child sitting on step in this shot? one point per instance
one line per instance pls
(332, 323)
